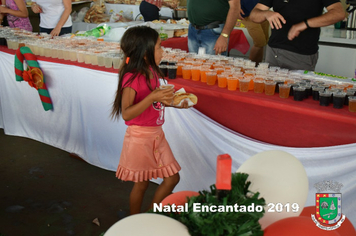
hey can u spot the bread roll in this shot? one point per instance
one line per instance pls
(180, 32)
(178, 97)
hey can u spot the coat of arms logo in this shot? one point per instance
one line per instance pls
(328, 214)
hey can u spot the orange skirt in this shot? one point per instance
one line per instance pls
(145, 155)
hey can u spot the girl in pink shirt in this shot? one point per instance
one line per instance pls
(145, 152)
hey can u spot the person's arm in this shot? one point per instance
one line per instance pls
(334, 14)
(173, 4)
(35, 7)
(67, 10)
(221, 44)
(261, 12)
(130, 110)
(22, 12)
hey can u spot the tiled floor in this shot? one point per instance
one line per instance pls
(45, 191)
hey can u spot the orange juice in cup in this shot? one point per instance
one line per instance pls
(270, 87)
(211, 77)
(203, 70)
(239, 76)
(222, 80)
(244, 84)
(179, 69)
(187, 72)
(196, 73)
(232, 83)
(219, 69)
(259, 85)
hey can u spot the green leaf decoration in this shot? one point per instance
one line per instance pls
(223, 222)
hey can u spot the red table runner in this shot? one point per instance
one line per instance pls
(272, 119)
(237, 41)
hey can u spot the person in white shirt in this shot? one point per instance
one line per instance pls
(55, 16)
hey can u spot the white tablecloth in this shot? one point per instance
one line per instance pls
(80, 124)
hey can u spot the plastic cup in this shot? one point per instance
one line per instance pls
(179, 69)
(222, 80)
(259, 85)
(298, 93)
(278, 82)
(166, 86)
(348, 94)
(108, 60)
(352, 103)
(164, 69)
(324, 98)
(232, 83)
(73, 55)
(239, 75)
(211, 78)
(116, 61)
(284, 90)
(172, 72)
(308, 90)
(203, 70)
(100, 59)
(270, 87)
(87, 58)
(338, 100)
(315, 92)
(94, 58)
(219, 69)
(187, 72)
(163, 62)
(196, 73)
(244, 84)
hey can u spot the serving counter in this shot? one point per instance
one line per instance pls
(80, 123)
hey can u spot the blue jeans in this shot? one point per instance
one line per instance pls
(205, 38)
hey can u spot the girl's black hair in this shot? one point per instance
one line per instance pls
(138, 44)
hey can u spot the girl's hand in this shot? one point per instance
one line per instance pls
(162, 95)
(184, 105)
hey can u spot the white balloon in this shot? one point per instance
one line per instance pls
(148, 224)
(281, 180)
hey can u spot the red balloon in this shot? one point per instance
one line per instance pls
(178, 198)
(346, 228)
(297, 226)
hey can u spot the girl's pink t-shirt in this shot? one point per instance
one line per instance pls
(154, 114)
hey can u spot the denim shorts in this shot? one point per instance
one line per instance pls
(205, 38)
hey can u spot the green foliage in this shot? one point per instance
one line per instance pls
(224, 223)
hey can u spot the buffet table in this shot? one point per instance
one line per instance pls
(80, 123)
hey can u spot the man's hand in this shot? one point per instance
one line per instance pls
(241, 13)
(275, 19)
(296, 29)
(221, 45)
